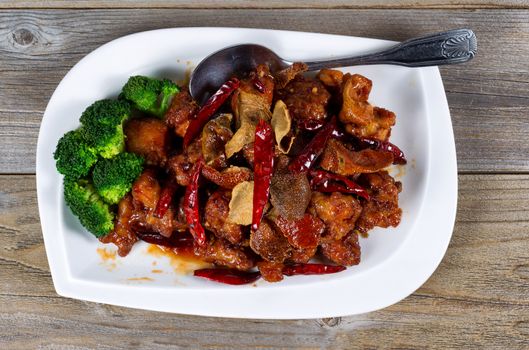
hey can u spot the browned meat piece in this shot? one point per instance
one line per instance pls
(216, 217)
(221, 252)
(302, 255)
(379, 128)
(271, 272)
(360, 117)
(382, 209)
(215, 134)
(148, 137)
(338, 159)
(306, 100)
(264, 78)
(360, 87)
(283, 77)
(182, 164)
(355, 92)
(146, 189)
(345, 251)
(269, 243)
(290, 193)
(145, 195)
(301, 233)
(331, 78)
(122, 235)
(227, 178)
(144, 220)
(338, 211)
(182, 110)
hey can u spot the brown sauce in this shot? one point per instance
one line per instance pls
(182, 262)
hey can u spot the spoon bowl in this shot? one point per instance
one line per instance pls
(220, 66)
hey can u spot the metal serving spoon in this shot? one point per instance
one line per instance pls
(454, 46)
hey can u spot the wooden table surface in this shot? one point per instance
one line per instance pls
(477, 298)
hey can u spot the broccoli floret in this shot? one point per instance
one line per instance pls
(103, 126)
(150, 95)
(85, 203)
(73, 157)
(113, 177)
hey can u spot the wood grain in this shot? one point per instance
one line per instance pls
(18, 140)
(488, 98)
(265, 4)
(476, 299)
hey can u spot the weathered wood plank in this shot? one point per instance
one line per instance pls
(18, 134)
(489, 98)
(265, 4)
(477, 298)
(416, 323)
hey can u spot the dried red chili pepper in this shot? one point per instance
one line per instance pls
(311, 269)
(191, 205)
(177, 240)
(365, 142)
(339, 134)
(398, 155)
(263, 169)
(210, 107)
(165, 199)
(324, 181)
(305, 160)
(258, 84)
(310, 124)
(228, 276)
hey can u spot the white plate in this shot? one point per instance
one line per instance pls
(395, 262)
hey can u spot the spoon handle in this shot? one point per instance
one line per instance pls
(454, 46)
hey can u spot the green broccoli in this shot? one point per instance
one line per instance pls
(102, 126)
(85, 203)
(73, 157)
(113, 177)
(150, 95)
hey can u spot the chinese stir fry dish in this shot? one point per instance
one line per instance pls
(271, 172)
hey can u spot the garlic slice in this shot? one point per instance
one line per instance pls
(249, 109)
(241, 203)
(281, 124)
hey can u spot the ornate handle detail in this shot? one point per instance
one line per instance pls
(455, 46)
(464, 45)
